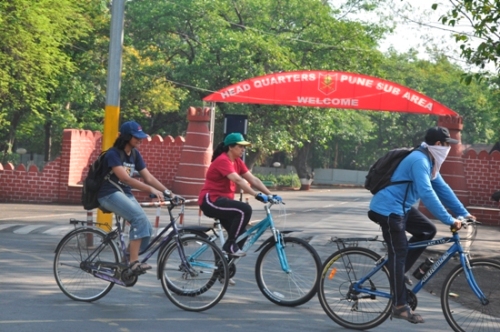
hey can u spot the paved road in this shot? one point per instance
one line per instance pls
(30, 299)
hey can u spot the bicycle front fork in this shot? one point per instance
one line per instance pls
(280, 249)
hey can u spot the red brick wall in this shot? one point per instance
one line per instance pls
(30, 186)
(60, 181)
(482, 173)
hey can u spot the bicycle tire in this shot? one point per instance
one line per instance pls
(288, 289)
(203, 290)
(196, 291)
(69, 267)
(214, 240)
(334, 292)
(461, 307)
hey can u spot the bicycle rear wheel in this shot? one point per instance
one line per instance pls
(73, 270)
(288, 288)
(462, 308)
(344, 306)
(200, 285)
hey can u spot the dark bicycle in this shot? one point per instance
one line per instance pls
(89, 262)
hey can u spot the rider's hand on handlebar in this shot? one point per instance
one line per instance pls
(262, 198)
(167, 194)
(457, 224)
(155, 193)
(277, 199)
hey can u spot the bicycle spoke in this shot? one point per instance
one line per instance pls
(199, 286)
(298, 285)
(71, 270)
(344, 305)
(462, 308)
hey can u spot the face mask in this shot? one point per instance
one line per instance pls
(439, 153)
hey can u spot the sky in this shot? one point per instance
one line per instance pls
(409, 34)
(419, 28)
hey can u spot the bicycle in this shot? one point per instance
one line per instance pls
(355, 292)
(89, 262)
(286, 276)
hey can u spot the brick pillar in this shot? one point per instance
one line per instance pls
(195, 155)
(452, 169)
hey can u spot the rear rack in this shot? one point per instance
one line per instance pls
(346, 242)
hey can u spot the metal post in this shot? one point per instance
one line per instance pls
(112, 110)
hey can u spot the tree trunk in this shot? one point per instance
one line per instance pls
(301, 164)
(16, 119)
(251, 158)
(47, 140)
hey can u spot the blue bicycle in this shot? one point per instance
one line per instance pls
(287, 268)
(355, 291)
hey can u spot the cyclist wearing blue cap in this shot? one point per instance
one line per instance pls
(116, 195)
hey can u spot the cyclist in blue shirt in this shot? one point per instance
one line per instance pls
(116, 195)
(392, 208)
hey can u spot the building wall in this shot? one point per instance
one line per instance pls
(60, 181)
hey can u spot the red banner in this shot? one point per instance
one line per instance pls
(329, 89)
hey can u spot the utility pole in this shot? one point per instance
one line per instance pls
(112, 110)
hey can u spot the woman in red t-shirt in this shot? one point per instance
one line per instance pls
(216, 199)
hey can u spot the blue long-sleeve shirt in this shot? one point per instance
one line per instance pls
(435, 194)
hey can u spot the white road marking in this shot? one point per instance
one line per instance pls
(7, 226)
(58, 230)
(27, 229)
(40, 217)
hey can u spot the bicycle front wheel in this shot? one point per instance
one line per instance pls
(346, 307)
(199, 282)
(73, 268)
(462, 308)
(293, 287)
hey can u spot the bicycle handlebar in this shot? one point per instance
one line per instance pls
(275, 201)
(465, 222)
(176, 200)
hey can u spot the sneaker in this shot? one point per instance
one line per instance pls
(238, 253)
(232, 249)
(231, 282)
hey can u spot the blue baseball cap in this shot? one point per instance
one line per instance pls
(132, 128)
(235, 138)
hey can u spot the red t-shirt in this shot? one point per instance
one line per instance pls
(216, 183)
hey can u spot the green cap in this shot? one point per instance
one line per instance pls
(235, 138)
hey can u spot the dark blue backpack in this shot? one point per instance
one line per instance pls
(94, 180)
(380, 173)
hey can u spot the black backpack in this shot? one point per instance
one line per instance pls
(95, 178)
(380, 173)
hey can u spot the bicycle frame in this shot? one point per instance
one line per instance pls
(254, 233)
(455, 248)
(158, 242)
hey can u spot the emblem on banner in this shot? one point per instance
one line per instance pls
(327, 83)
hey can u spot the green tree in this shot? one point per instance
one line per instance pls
(484, 18)
(214, 44)
(32, 38)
